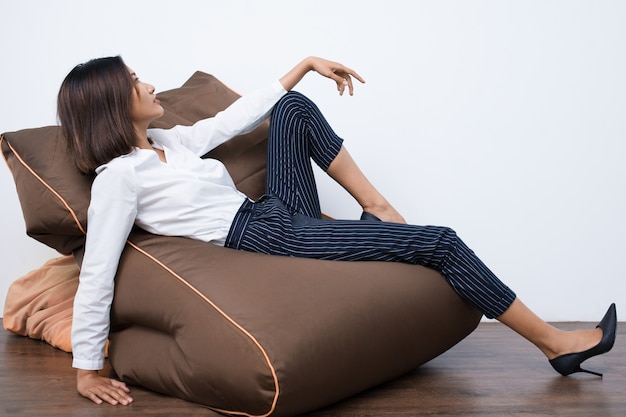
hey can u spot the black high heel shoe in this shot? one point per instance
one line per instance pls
(570, 363)
(369, 216)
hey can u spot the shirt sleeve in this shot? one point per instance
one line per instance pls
(245, 114)
(111, 216)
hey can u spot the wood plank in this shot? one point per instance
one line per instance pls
(493, 372)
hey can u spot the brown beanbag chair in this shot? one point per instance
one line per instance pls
(242, 333)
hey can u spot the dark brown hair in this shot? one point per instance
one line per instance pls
(94, 112)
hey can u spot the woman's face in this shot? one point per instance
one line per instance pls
(144, 105)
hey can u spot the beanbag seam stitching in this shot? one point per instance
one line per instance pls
(229, 319)
(45, 184)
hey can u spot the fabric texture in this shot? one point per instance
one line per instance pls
(242, 333)
(39, 304)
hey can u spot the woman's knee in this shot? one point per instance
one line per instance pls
(295, 96)
(446, 241)
(293, 100)
(446, 234)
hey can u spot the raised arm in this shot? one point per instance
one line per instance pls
(250, 110)
(337, 72)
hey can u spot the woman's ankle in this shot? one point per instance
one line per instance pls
(574, 342)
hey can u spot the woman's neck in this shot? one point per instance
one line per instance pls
(142, 138)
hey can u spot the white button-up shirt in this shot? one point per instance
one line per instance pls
(186, 196)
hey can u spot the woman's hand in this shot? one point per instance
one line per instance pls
(337, 72)
(98, 389)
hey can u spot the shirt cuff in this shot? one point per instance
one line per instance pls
(279, 88)
(88, 364)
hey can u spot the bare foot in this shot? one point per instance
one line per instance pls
(578, 341)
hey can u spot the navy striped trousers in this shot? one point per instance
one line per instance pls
(287, 220)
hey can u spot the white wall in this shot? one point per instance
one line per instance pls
(503, 119)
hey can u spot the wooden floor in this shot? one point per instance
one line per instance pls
(491, 373)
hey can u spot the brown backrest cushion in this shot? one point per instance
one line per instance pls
(55, 196)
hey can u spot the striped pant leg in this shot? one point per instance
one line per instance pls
(274, 230)
(288, 221)
(298, 134)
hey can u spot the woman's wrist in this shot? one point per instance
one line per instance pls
(293, 77)
(308, 63)
(81, 373)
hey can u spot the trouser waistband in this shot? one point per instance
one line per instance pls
(243, 217)
(241, 220)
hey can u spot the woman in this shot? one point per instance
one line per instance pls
(156, 180)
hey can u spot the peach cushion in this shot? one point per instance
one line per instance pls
(39, 304)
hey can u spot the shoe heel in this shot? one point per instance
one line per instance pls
(589, 372)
